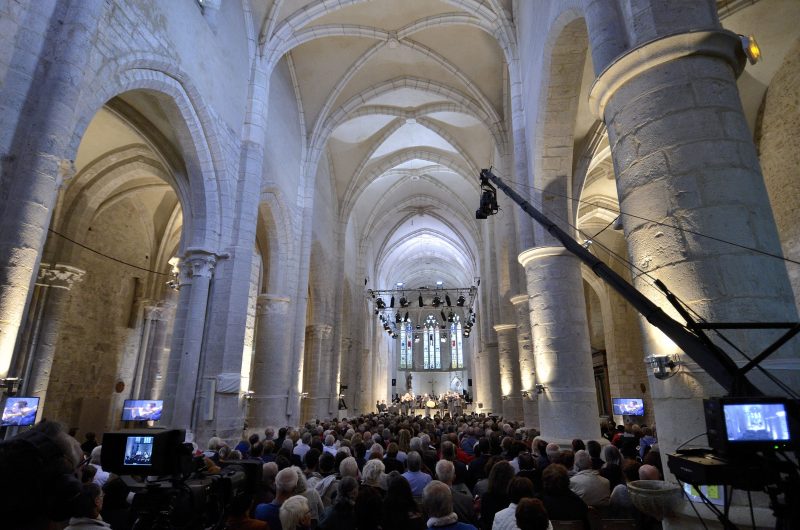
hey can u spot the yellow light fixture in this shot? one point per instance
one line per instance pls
(751, 48)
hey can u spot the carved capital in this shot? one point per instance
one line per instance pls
(319, 331)
(59, 276)
(197, 263)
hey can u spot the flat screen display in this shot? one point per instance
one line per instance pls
(628, 406)
(756, 422)
(139, 451)
(20, 411)
(142, 409)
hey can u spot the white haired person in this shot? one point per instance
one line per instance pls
(295, 514)
(285, 484)
(437, 501)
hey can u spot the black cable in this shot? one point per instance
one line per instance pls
(691, 503)
(660, 223)
(690, 439)
(752, 516)
(105, 255)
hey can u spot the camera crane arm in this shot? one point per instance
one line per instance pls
(706, 354)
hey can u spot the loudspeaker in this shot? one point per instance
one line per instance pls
(469, 382)
(394, 382)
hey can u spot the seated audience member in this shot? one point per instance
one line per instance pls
(561, 503)
(86, 513)
(653, 458)
(496, 496)
(311, 461)
(438, 504)
(518, 489)
(302, 447)
(475, 470)
(101, 476)
(612, 469)
(314, 501)
(648, 472)
(531, 515)
(400, 511)
(116, 510)
(391, 461)
(238, 518)
(326, 484)
(527, 470)
(89, 444)
(621, 505)
(593, 448)
(285, 483)
(37, 479)
(88, 473)
(647, 441)
(416, 478)
(593, 489)
(462, 502)
(341, 513)
(370, 497)
(295, 514)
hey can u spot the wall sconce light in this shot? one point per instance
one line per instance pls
(540, 388)
(248, 395)
(526, 394)
(303, 395)
(751, 48)
(505, 398)
(663, 366)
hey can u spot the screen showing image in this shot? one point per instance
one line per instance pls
(139, 451)
(142, 410)
(756, 422)
(20, 411)
(628, 406)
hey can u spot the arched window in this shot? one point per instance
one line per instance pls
(432, 349)
(456, 350)
(406, 346)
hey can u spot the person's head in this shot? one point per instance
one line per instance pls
(647, 431)
(285, 483)
(555, 479)
(582, 461)
(525, 461)
(327, 463)
(311, 459)
(445, 471)
(437, 500)
(414, 461)
(301, 481)
(253, 439)
(115, 494)
(268, 472)
(499, 478)
(531, 515)
(553, 451)
(306, 438)
(329, 440)
(347, 491)
(90, 501)
(88, 474)
(611, 455)
(295, 513)
(399, 498)
(349, 468)
(373, 473)
(392, 449)
(630, 470)
(648, 472)
(566, 458)
(376, 451)
(519, 488)
(215, 443)
(577, 445)
(269, 433)
(593, 447)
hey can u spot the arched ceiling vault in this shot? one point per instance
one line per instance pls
(405, 102)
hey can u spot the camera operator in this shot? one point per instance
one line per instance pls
(38, 478)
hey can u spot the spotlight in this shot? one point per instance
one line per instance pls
(751, 48)
(420, 301)
(380, 303)
(416, 338)
(443, 339)
(398, 318)
(443, 316)
(447, 299)
(461, 300)
(405, 318)
(391, 303)
(451, 317)
(403, 302)
(437, 301)
(394, 335)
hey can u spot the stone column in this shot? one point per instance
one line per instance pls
(568, 405)
(149, 313)
(683, 155)
(527, 370)
(270, 375)
(317, 371)
(510, 383)
(155, 367)
(197, 269)
(55, 281)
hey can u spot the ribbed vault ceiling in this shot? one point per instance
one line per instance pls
(405, 99)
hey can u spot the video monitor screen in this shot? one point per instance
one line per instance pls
(139, 451)
(628, 406)
(756, 422)
(20, 411)
(142, 409)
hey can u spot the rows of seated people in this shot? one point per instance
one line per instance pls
(386, 472)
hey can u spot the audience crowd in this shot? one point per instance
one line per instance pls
(386, 471)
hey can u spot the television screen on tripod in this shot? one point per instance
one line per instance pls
(142, 409)
(20, 411)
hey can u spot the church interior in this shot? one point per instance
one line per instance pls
(263, 212)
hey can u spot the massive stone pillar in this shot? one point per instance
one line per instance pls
(272, 363)
(317, 371)
(54, 283)
(159, 318)
(510, 383)
(527, 370)
(684, 156)
(197, 269)
(568, 405)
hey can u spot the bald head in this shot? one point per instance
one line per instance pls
(648, 472)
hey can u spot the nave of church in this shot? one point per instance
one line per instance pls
(263, 212)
